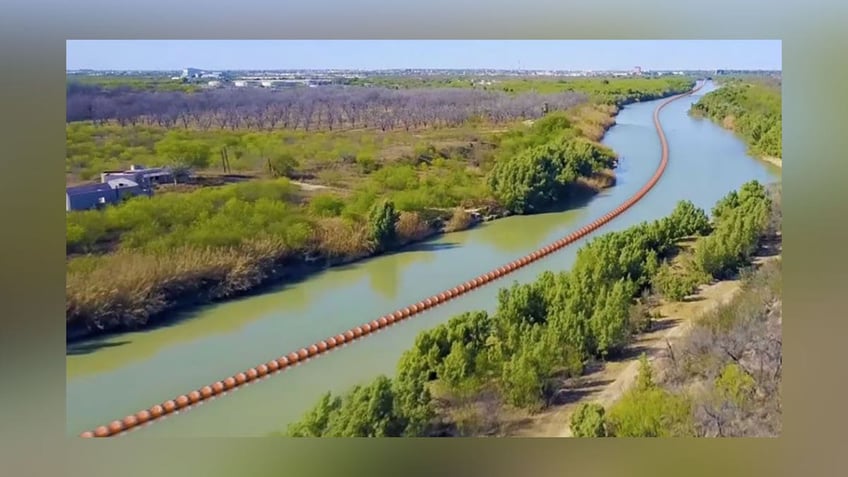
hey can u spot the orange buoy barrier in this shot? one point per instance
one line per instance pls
(323, 346)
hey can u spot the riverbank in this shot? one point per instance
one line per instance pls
(543, 332)
(195, 277)
(605, 383)
(775, 161)
(752, 110)
(270, 273)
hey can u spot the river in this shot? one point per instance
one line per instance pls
(108, 378)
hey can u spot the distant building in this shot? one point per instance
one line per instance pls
(191, 73)
(146, 178)
(95, 196)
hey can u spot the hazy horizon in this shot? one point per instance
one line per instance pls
(375, 55)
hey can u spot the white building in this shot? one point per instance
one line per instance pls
(191, 73)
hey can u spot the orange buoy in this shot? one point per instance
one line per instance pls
(130, 421)
(312, 350)
(349, 335)
(206, 392)
(302, 354)
(273, 365)
(182, 401)
(241, 378)
(340, 339)
(230, 382)
(331, 342)
(391, 319)
(294, 357)
(169, 406)
(442, 297)
(115, 427)
(142, 416)
(101, 431)
(262, 369)
(283, 361)
(194, 396)
(251, 374)
(357, 332)
(87, 435)
(157, 411)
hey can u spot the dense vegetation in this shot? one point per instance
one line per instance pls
(307, 108)
(351, 107)
(537, 170)
(320, 129)
(722, 380)
(541, 332)
(617, 91)
(145, 83)
(162, 247)
(750, 108)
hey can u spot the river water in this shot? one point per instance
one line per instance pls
(109, 378)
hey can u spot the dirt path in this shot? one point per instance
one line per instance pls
(607, 382)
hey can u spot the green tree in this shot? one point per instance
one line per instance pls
(674, 284)
(735, 385)
(588, 421)
(368, 411)
(412, 397)
(689, 219)
(381, 221)
(316, 421)
(647, 410)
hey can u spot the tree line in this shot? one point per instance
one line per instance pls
(308, 109)
(341, 107)
(541, 332)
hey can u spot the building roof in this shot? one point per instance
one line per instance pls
(87, 189)
(121, 182)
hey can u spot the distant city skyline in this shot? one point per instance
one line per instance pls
(423, 54)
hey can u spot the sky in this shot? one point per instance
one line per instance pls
(446, 54)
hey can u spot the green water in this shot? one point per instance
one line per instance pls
(112, 377)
